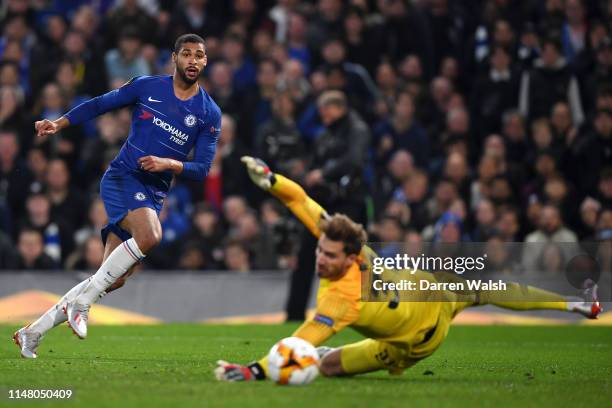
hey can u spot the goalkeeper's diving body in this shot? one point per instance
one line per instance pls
(398, 335)
(171, 116)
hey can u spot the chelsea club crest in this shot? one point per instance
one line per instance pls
(190, 120)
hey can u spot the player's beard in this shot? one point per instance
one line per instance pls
(183, 74)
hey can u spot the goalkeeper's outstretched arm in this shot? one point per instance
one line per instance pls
(289, 192)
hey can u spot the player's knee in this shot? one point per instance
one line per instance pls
(149, 239)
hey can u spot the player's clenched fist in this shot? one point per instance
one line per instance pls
(259, 172)
(45, 127)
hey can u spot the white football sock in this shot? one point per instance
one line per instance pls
(55, 315)
(116, 265)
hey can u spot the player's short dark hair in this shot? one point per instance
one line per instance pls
(341, 228)
(188, 38)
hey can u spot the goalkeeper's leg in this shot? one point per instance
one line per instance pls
(363, 357)
(524, 297)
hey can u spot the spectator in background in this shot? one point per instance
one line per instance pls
(49, 48)
(457, 130)
(363, 42)
(485, 221)
(284, 232)
(262, 45)
(258, 240)
(388, 84)
(551, 261)
(605, 187)
(62, 196)
(550, 81)
(353, 79)
(599, 75)
(508, 224)
(550, 230)
(192, 258)
(93, 80)
(401, 131)
(515, 138)
(14, 178)
(445, 193)
(574, 32)
(128, 14)
(589, 211)
(236, 257)
(335, 178)
(37, 163)
(109, 137)
(88, 256)
(590, 152)
(8, 254)
(564, 130)
(207, 234)
(325, 23)
(542, 140)
(293, 81)
(414, 192)
(66, 79)
(96, 220)
(57, 233)
(234, 208)
(398, 170)
(389, 233)
(405, 32)
(494, 92)
(9, 77)
(257, 102)
(30, 251)
(480, 187)
(13, 115)
(448, 229)
(243, 70)
(126, 61)
(279, 142)
(528, 46)
(456, 169)
(194, 16)
(280, 14)
(221, 89)
(297, 42)
(52, 105)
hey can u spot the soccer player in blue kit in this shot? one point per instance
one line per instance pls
(171, 115)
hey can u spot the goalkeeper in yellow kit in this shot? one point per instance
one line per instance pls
(397, 334)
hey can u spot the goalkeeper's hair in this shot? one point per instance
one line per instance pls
(341, 228)
(187, 38)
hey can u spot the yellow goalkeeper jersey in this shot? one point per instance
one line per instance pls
(339, 304)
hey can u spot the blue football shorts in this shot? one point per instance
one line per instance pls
(124, 190)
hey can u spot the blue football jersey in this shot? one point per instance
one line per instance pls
(162, 124)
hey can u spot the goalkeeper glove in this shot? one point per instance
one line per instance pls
(235, 372)
(259, 172)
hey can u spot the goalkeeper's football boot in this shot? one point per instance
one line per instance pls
(591, 307)
(28, 341)
(77, 315)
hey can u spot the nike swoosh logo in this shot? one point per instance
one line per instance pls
(153, 100)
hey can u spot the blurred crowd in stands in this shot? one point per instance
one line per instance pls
(427, 120)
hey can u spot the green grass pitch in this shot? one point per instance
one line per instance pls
(171, 366)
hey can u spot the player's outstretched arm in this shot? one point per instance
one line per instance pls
(290, 193)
